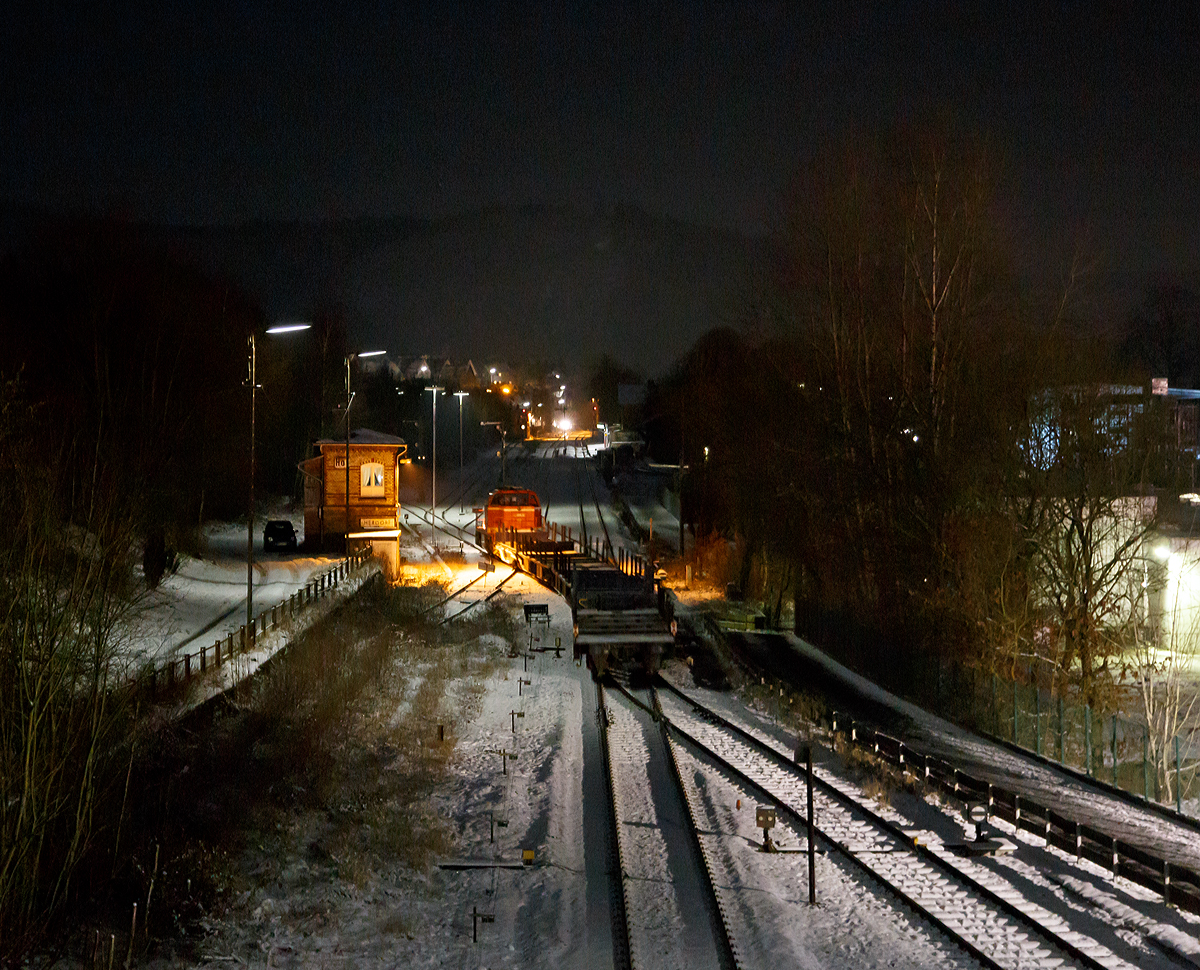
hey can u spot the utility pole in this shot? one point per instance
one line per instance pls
(461, 491)
(349, 399)
(252, 381)
(433, 496)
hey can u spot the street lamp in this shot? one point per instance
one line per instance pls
(349, 399)
(461, 491)
(433, 495)
(252, 380)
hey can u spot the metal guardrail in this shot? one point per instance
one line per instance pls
(1178, 885)
(177, 671)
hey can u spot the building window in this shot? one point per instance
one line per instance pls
(370, 479)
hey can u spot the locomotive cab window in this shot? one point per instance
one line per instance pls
(371, 480)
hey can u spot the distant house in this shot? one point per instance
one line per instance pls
(418, 370)
(367, 512)
(467, 376)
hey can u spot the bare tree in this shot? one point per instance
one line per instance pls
(894, 285)
(1087, 517)
(67, 552)
(1165, 653)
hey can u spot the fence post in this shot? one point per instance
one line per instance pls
(1114, 751)
(1016, 732)
(1037, 717)
(1178, 790)
(996, 704)
(1087, 736)
(203, 659)
(1062, 738)
(1146, 762)
(218, 651)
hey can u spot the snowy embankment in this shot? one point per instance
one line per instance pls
(1037, 778)
(1077, 901)
(204, 600)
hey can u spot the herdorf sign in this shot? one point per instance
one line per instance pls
(388, 523)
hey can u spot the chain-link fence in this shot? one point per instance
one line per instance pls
(1118, 750)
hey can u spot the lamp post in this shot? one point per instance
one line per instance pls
(252, 381)
(349, 399)
(433, 467)
(461, 491)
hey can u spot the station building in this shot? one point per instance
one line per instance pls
(352, 494)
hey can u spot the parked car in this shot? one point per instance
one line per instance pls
(279, 534)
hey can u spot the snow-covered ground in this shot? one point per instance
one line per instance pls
(521, 774)
(547, 914)
(204, 600)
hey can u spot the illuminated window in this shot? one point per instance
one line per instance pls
(370, 480)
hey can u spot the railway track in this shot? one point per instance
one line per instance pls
(618, 894)
(968, 902)
(667, 895)
(987, 911)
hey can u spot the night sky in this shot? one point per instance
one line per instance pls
(218, 112)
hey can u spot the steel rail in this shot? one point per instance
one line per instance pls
(472, 605)
(913, 885)
(618, 898)
(725, 938)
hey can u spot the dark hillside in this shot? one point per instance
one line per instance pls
(553, 283)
